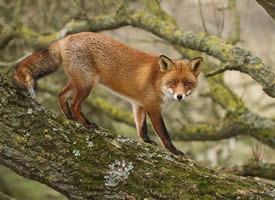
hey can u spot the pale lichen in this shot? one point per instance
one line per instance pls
(121, 139)
(89, 142)
(29, 111)
(77, 124)
(119, 171)
(76, 153)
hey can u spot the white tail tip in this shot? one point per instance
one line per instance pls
(32, 92)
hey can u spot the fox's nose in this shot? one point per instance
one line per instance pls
(179, 96)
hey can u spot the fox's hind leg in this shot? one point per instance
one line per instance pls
(82, 89)
(63, 97)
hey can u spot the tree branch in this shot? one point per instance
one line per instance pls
(202, 19)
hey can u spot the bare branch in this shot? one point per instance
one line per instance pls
(202, 18)
(18, 12)
(235, 35)
(5, 197)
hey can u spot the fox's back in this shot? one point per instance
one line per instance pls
(103, 51)
(121, 68)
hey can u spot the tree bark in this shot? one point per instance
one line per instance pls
(84, 164)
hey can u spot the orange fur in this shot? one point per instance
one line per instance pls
(146, 80)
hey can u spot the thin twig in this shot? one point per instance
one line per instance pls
(202, 18)
(5, 197)
(235, 36)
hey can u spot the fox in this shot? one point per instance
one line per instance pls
(148, 81)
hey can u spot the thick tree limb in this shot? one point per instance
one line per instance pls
(85, 164)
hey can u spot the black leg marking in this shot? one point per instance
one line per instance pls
(86, 120)
(89, 124)
(168, 141)
(70, 114)
(144, 134)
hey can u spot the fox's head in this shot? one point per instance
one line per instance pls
(180, 78)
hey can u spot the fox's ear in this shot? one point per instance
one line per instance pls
(165, 63)
(195, 65)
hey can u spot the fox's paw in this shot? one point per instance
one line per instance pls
(152, 142)
(71, 117)
(178, 153)
(68, 112)
(148, 140)
(92, 126)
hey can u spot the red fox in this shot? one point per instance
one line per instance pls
(148, 81)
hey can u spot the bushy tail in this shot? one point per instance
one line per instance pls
(37, 65)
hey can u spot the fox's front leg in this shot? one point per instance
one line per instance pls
(161, 130)
(141, 125)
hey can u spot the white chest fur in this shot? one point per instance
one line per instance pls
(167, 98)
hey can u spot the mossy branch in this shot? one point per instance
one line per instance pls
(84, 164)
(155, 8)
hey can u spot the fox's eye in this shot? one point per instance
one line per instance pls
(187, 84)
(173, 82)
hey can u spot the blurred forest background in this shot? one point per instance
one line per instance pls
(255, 31)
